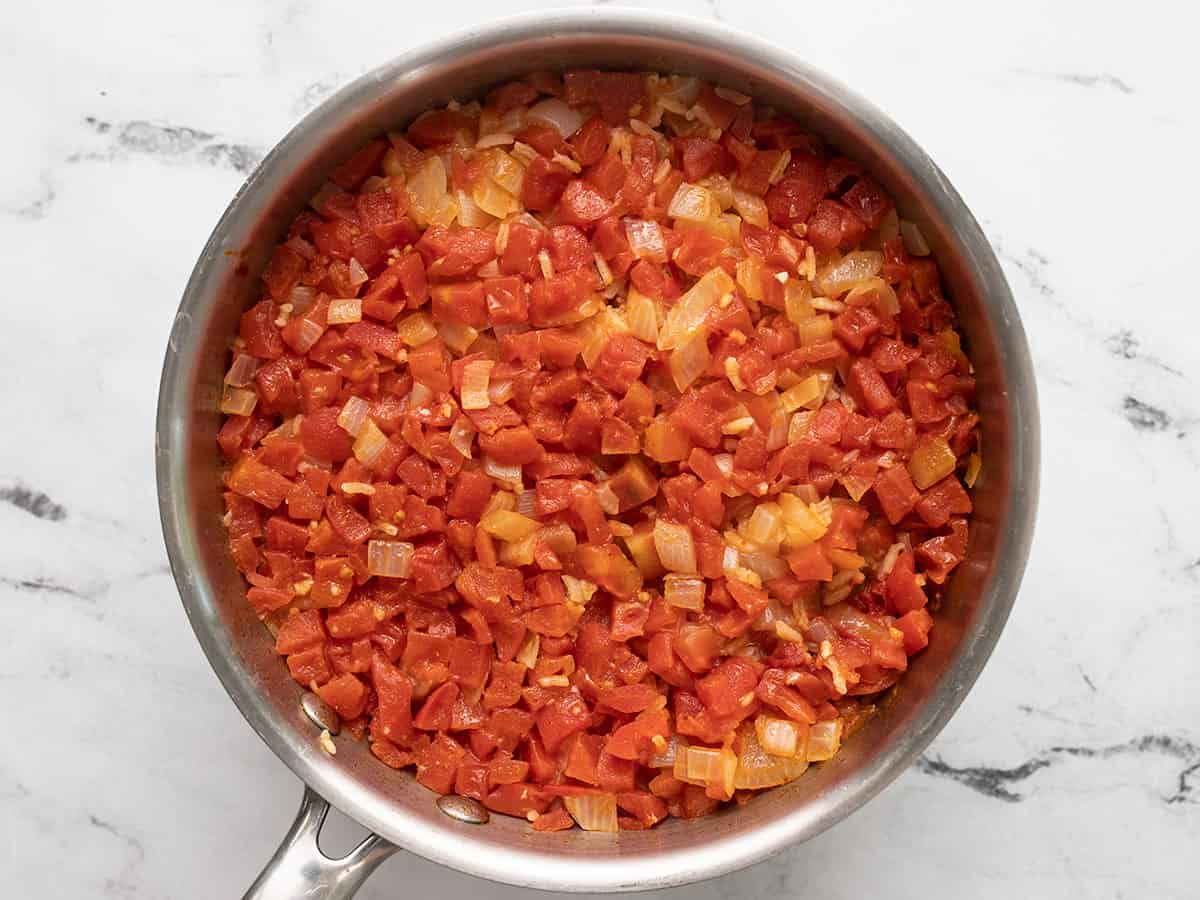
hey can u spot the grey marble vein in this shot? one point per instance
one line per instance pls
(166, 141)
(33, 502)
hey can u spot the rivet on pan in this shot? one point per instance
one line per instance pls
(464, 809)
(320, 713)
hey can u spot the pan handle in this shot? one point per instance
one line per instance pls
(300, 870)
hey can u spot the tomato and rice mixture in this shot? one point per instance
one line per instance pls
(598, 450)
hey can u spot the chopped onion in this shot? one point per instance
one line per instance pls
(642, 314)
(693, 203)
(369, 443)
(712, 767)
(765, 526)
(932, 460)
(750, 275)
(690, 359)
(420, 395)
(526, 503)
(518, 553)
(345, 311)
(766, 566)
(501, 391)
(814, 330)
(510, 476)
(416, 329)
(750, 207)
(675, 546)
(495, 139)
(309, 333)
(527, 654)
(974, 466)
(609, 501)
(684, 591)
(680, 91)
(507, 525)
(238, 402)
(559, 537)
(593, 812)
(665, 758)
(353, 415)
(808, 393)
(646, 240)
(426, 190)
(579, 590)
(555, 113)
(690, 311)
(507, 173)
(389, 559)
(302, 298)
(758, 769)
(475, 377)
(492, 200)
(777, 432)
(914, 241)
(470, 214)
(824, 739)
(462, 433)
(840, 276)
(886, 300)
(780, 737)
(241, 373)
(797, 301)
(358, 275)
(799, 426)
(802, 525)
(457, 336)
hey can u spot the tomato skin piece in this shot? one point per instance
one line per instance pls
(582, 204)
(832, 224)
(346, 694)
(561, 718)
(915, 625)
(429, 364)
(869, 388)
(512, 446)
(900, 589)
(896, 493)
(253, 480)
(462, 302)
(810, 563)
(259, 333)
(506, 300)
(721, 690)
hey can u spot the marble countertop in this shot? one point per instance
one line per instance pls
(1072, 770)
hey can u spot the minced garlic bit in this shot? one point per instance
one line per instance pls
(659, 742)
(738, 426)
(663, 170)
(326, 742)
(733, 373)
(386, 528)
(303, 587)
(782, 277)
(786, 632)
(567, 163)
(357, 487)
(729, 95)
(548, 681)
(285, 313)
(543, 259)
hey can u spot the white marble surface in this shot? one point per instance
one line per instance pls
(1073, 769)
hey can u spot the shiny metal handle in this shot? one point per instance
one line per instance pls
(300, 871)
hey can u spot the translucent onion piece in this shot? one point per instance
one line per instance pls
(690, 359)
(824, 739)
(690, 311)
(646, 239)
(665, 759)
(506, 475)
(508, 525)
(684, 591)
(526, 503)
(765, 565)
(814, 330)
(885, 298)
(345, 311)
(241, 372)
(808, 393)
(507, 173)
(358, 275)
(974, 466)
(717, 768)
(389, 559)
(721, 189)
(765, 525)
(302, 298)
(840, 276)
(579, 591)
(457, 336)
(559, 537)
(369, 443)
(758, 769)
(353, 415)
(609, 502)
(475, 378)
(780, 737)
(889, 226)
(238, 402)
(518, 553)
(557, 115)
(750, 275)
(470, 214)
(501, 391)
(799, 426)
(692, 203)
(675, 547)
(310, 333)
(462, 433)
(642, 314)
(932, 460)
(914, 241)
(802, 524)
(426, 190)
(750, 207)
(420, 395)
(416, 329)
(593, 812)
(493, 200)
(527, 654)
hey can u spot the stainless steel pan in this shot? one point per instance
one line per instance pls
(400, 812)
